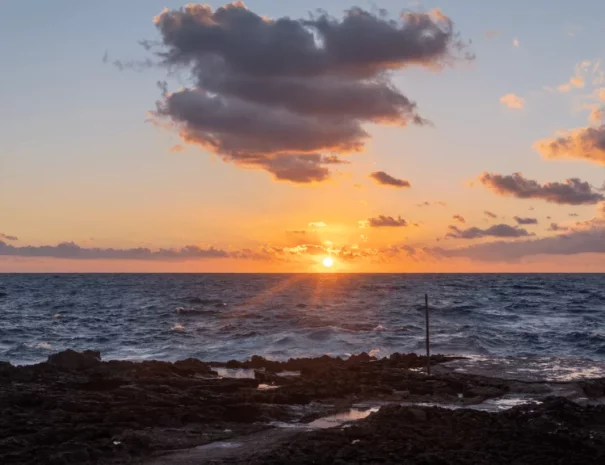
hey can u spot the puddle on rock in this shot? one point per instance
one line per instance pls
(363, 410)
(266, 387)
(354, 414)
(220, 445)
(239, 373)
(249, 372)
(288, 373)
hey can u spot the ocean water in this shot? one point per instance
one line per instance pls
(233, 316)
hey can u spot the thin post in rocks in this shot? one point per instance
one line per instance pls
(428, 343)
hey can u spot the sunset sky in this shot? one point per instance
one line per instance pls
(449, 136)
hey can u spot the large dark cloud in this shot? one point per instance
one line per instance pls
(387, 180)
(522, 221)
(569, 192)
(382, 221)
(497, 230)
(73, 251)
(286, 95)
(8, 237)
(584, 143)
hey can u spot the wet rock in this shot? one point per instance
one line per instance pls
(77, 402)
(72, 360)
(194, 366)
(556, 432)
(594, 388)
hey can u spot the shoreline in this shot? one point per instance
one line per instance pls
(75, 408)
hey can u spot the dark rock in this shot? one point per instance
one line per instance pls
(193, 365)
(593, 387)
(72, 360)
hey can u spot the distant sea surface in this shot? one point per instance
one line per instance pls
(233, 316)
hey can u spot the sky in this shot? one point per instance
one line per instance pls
(446, 136)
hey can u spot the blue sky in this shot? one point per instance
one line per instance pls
(79, 162)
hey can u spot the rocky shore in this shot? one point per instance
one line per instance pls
(77, 409)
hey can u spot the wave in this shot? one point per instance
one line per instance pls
(193, 311)
(200, 301)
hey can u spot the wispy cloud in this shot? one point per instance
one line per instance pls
(572, 243)
(497, 230)
(8, 237)
(490, 214)
(516, 43)
(459, 218)
(440, 203)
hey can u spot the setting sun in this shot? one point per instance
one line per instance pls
(328, 262)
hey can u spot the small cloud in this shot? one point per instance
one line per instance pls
(490, 214)
(584, 143)
(513, 101)
(296, 232)
(8, 237)
(441, 203)
(177, 148)
(556, 227)
(459, 218)
(571, 31)
(577, 81)
(525, 221)
(597, 113)
(491, 33)
(387, 180)
(317, 224)
(383, 221)
(574, 215)
(105, 57)
(516, 43)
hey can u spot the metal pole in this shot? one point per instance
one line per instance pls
(428, 344)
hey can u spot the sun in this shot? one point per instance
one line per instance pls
(328, 262)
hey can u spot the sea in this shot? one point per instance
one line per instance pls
(553, 321)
